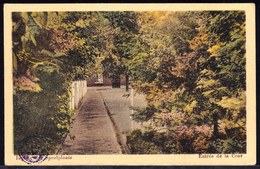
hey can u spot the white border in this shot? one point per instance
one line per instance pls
(248, 159)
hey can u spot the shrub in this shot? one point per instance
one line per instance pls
(43, 114)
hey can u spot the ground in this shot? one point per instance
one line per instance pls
(102, 121)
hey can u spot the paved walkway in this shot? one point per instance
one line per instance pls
(119, 102)
(92, 128)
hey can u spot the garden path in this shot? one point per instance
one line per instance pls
(93, 130)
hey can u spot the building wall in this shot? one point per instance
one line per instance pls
(106, 81)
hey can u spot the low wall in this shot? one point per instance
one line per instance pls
(78, 91)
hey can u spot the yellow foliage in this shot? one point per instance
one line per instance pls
(55, 19)
(25, 16)
(155, 18)
(200, 40)
(189, 108)
(233, 103)
(208, 93)
(204, 83)
(214, 50)
(156, 96)
(80, 42)
(229, 124)
(81, 23)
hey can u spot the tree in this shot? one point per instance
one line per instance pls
(189, 65)
(47, 57)
(125, 39)
(193, 56)
(41, 109)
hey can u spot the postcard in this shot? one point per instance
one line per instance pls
(130, 84)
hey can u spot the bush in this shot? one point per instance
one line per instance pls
(44, 115)
(185, 140)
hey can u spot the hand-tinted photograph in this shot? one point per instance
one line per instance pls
(129, 82)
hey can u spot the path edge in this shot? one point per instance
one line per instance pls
(119, 135)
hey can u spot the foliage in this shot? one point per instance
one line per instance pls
(196, 77)
(125, 40)
(43, 71)
(28, 28)
(181, 140)
(36, 115)
(189, 65)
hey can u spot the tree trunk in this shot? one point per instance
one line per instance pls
(116, 81)
(126, 83)
(215, 126)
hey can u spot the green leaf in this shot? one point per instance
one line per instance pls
(40, 18)
(14, 61)
(16, 25)
(36, 64)
(47, 52)
(24, 40)
(59, 54)
(33, 39)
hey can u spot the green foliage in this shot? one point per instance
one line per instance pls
(143, 114)
(228, 146)
(180, 140)
(80, 60)
(124, 41)
(149, 143)
(31, 51)
(35, 114)
(199, 64)
(48, 54)
(189, 65)
(36, 144)
(184, 140)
